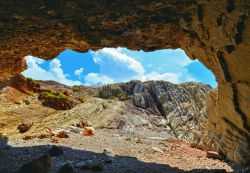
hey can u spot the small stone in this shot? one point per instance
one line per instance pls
(67, 168)
(138, 140)
(28, 137)
(26, 101)
(214, 155)
(156, 149)
(24, 127)
(128, 129)
(40, 165)
(108, 152)
(74, 129)
(62, 134)
(55, 151)
(88, 131)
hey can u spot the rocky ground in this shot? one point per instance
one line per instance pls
(139, 127)
(115, 152)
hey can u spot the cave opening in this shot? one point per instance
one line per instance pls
(166, 84)
(215, 32)
(130, 103)
(116, 65)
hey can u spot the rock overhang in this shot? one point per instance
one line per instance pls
(215, 32)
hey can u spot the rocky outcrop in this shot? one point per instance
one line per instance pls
(215, 32)
(183, 106)
(56, 100)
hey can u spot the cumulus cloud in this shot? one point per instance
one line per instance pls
(54, 72)
(93, 79)
(117, 65)
(120, 66)
(79, 72)
(171, 77)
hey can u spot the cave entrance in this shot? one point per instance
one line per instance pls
(154, 116)
(165, 84)
(115, 65)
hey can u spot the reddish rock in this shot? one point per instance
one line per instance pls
(24, 127)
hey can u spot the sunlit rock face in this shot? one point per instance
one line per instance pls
(215, 32)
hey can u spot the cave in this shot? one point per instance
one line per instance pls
(217, 33)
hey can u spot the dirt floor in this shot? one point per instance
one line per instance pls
(141, 145)
(137, 153)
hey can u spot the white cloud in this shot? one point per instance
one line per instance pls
(171, 77)
(97, 79)
(79, 72)
(54, 72)
(117, 65)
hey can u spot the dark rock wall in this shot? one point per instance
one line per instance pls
(215, 32)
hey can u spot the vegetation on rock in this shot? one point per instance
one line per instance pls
(25, 85)
(56, 100)
(113, 91)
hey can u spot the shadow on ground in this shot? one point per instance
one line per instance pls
(11, 159)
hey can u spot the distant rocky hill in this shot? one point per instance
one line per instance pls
(173, 110)
(181, 105)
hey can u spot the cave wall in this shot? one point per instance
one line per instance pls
(217, 32)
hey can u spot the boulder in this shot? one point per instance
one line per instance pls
(88, 131)
(62, 134)
(24, 127)
(214, 155)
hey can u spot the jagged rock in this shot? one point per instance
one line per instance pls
(182, 106)
(55, 151)
(126, 127)
(214, 155)
(40, 165)
(24, 127)
(25, 85)
(111, 91)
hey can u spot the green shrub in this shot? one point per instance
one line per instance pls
(81, 99)
(56, 100)
(75, 88)
(50, 93)
(31, 81)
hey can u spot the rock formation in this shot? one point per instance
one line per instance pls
(215, 32)
(182, 106)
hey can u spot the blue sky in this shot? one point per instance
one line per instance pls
(112, 65)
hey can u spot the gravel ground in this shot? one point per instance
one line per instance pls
(142, 152)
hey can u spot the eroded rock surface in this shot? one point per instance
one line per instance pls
(215, 32)
(183, 106)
